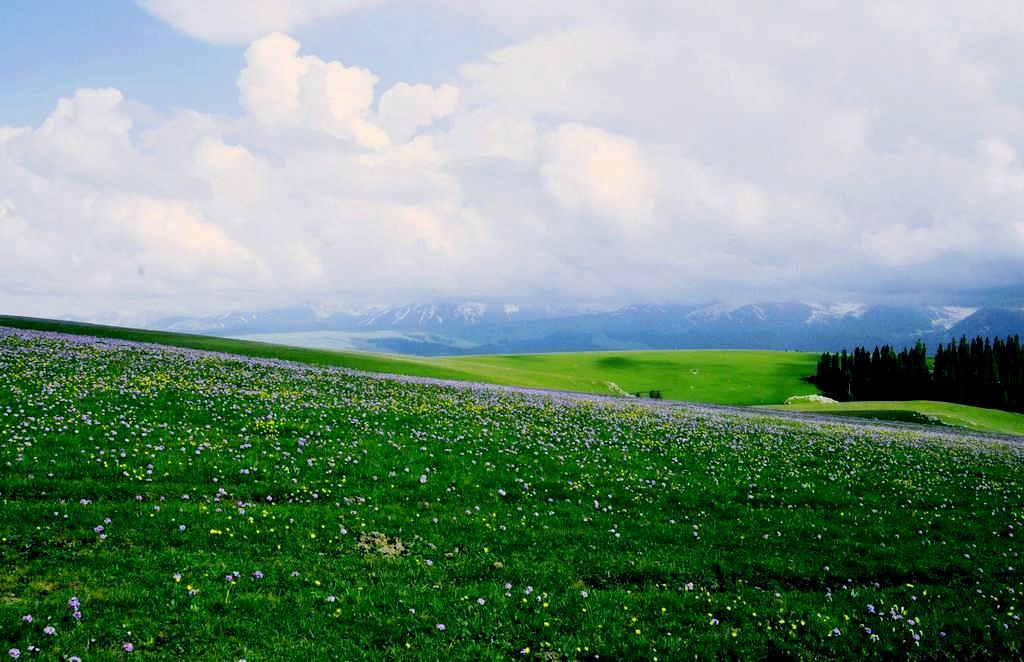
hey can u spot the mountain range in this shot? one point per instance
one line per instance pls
(442, 328)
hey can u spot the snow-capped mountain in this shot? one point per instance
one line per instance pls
(946, 317)
(319, 315)
(477, 327)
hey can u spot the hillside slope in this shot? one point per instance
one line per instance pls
(721, 377)
(188, 505)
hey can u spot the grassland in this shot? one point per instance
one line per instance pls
(731, 377)
(947, 413)
(188, 505)
(357, 361)
(722, 377)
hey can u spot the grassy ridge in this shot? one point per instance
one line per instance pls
(975, 418)
(721, 377)
(358, 361)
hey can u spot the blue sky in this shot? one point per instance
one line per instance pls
(48, 54)
(186, 156)
(52, 48)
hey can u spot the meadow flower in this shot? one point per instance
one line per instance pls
(49, 629)
(441, 627)
(14, 652)
(128, 647)
(27, 618)
(257, 575)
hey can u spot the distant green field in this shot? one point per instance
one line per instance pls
(731, 377)
(976, 418)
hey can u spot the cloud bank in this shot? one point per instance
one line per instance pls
(611, 152)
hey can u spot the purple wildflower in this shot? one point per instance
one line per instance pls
(128, 646)
(50, 630)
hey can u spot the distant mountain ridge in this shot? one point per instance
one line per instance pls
(499, 327)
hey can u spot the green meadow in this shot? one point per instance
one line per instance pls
(726, 377)
(732, 377)
(164, 503)
(921, 411)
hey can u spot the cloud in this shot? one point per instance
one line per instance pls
(589, 169)
(240, 21)
(405, 108)
(607, 151)
(278, 87)
(488, 132)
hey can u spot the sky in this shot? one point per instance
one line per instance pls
(190, 157)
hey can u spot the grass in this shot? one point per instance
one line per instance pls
(946, 413)
(204, 506)
(734, 377)
(357, 361)
(722, 377)
(728, 377)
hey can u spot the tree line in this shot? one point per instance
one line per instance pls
(980, 372)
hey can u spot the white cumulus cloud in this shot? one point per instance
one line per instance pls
(239, 21)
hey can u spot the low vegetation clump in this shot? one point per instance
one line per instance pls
(180, 504)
